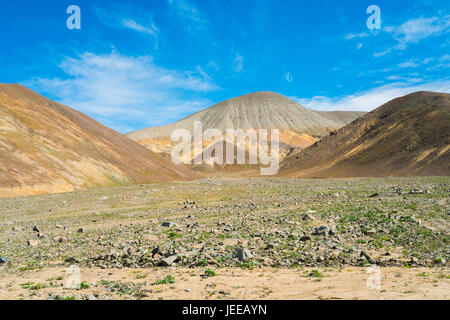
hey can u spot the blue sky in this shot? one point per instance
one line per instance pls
(139, 63)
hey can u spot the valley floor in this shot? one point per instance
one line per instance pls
(228, 284)
(223, 238)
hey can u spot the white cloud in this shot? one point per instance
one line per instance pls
(351, 36)
(415, 30)
(190, 16)
(382, 53)
(238, 63)
(126, 90)
(373, 98)
(124, 16)
(408, 64)
(131, 24)
(445, 57)
(359, 46)
(288, 77)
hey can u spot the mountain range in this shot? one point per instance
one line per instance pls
(46, 147)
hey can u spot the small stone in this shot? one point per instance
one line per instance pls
(308, 217)
(373, 195)
(168, 224)
(167, 262)
(440, 261)
(71, 260)
(305, 238)
(242, 254)
(3, 260)
(321, 231)
(80, 230)
(33, 243)
(365, 255)
(230, 242)
(36, 229)
(333, 230)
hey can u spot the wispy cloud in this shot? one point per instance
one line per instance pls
(373, 98)
(408, 64)
(351, 36)
(382, 53)
(288, 77)
(126, 17)
(188, 14)
(415, 30)
(238, 63)
(123, 89)
(131, 24)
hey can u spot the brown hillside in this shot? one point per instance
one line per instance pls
(406, 136)
(48, 147)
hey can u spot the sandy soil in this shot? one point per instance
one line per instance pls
(269, 283)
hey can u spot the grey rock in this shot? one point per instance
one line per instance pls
(365, 255)
(33, 243)
(308, 217)
(333, 230)
(36, 229)
(321, 231)
(242, 254)
(441, 261)
(168, 224)
(167, 262)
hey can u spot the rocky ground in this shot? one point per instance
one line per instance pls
(129, 241)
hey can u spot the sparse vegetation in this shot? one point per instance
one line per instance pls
(166, 280)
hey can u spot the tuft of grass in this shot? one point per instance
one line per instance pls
(315, 274)
(32, 286)
(247, 265)
(29, 268)
(208, 273)
(166, 280)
